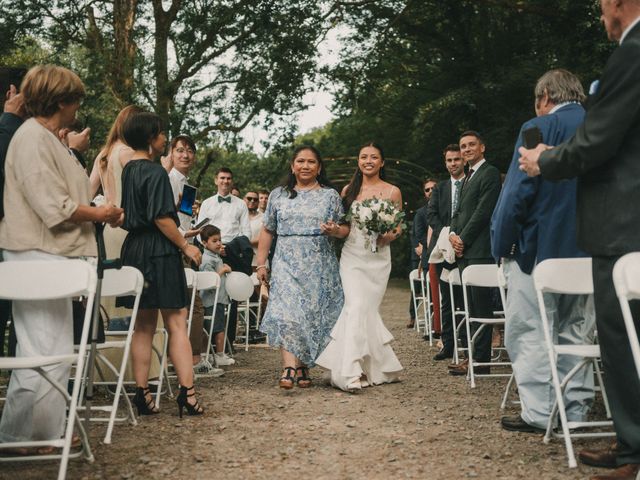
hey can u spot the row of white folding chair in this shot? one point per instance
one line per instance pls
(127, 281)
(626, 280)
(49, 280)
(481, 276)
(572, 276)
(422, 304)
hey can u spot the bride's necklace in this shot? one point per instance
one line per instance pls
(307, 188)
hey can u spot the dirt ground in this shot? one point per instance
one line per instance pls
(430, 425)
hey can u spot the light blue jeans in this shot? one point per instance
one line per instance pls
(573, 322)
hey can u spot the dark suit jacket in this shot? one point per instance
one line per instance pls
(605, 156)
(472, 220)
(420, 227)
(9, 123)
(439, 210)
(535, 219)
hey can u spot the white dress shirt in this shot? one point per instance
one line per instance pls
(178, 181)
(628, 29)
(256, 226)
(232, 218)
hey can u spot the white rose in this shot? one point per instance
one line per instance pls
(365, 213)
(387, 217)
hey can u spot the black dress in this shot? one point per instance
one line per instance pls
(146, 196)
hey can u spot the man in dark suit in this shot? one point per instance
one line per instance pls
(470, 236)
(604, 155)
(419, 240)
(534, 220)
(444, 200)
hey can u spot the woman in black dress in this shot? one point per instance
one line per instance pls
(153, 246)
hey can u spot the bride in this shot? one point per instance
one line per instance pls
(359, 353)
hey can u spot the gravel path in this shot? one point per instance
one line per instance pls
(430, 425)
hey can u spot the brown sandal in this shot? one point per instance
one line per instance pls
(287, 378)
(302, 378)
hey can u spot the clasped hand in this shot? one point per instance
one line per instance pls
(457, 244)
(330, 228)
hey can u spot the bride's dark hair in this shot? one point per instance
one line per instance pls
(289, 183)
(355, 184)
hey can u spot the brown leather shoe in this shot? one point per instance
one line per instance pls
(624, 472)
(411, 324)
(455, 366)
(605, 458)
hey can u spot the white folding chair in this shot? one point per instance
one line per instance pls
(570, 276)
(485, 276)
(452, 277)
(421, 303)
(626, 279)
(48, 280)
(254, 312)
(209, 281)
(127, 281)
(239, 287)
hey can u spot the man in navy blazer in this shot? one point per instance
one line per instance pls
(535, 219)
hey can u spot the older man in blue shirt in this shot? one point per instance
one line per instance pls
(534, 220)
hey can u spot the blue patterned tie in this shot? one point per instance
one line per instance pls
(456, 196)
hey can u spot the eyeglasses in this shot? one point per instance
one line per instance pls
(251, 199)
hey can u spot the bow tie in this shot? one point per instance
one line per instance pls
(224, 199)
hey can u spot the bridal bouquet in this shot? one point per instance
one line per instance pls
(375, 217)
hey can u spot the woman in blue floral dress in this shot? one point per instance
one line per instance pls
(306, 297)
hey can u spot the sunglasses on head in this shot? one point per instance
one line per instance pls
(427, 190)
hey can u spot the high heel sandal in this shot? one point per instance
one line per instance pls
(182, 402)
(144, 406)
(303, 379)
(287, 378)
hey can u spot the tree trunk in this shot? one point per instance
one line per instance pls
(123, 63)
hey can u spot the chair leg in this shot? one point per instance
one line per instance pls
(605, 399)
(505, 398)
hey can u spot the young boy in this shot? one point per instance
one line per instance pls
(212, 262)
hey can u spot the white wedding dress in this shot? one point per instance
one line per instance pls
(360, 343)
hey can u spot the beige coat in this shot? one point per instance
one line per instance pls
(44, 184)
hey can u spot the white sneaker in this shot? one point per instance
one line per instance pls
(222, 360)
(205, 369)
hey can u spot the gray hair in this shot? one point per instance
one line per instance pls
(560, 86)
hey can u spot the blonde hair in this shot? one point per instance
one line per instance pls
(115, 134)
(45, 87)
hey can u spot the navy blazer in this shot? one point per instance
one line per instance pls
(535, 219)
(420, 227)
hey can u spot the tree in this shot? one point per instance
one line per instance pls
(414, 75)
(203, 65)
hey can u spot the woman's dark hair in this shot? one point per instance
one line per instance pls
(140, 128)
(289, 183)
(355, 184)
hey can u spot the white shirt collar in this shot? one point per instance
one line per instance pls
(453, 180)
(628, 29)
(559, 106)
(178, 174)
(478, 165)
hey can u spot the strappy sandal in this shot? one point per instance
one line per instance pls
(181, 400)
(287, 378)
(302, 378)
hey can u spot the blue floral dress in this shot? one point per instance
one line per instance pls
(306, 297)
